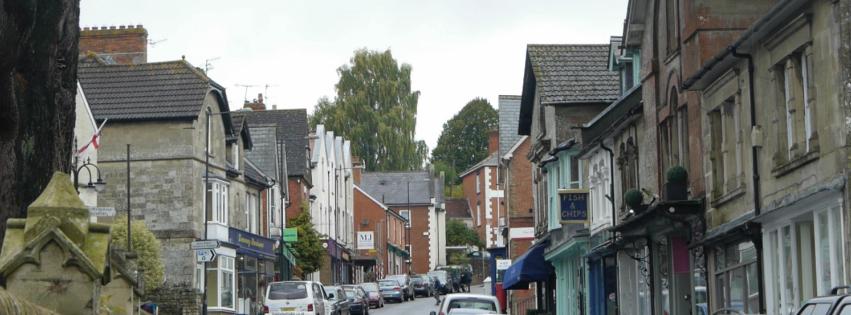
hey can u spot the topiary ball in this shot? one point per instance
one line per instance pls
(633, 198)
(677, 175)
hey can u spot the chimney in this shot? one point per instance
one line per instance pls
(122, 45)
(257, 104)
(493, 141)
(357, 170)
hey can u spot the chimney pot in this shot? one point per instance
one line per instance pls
(260, 98)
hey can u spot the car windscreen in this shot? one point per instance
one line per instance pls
(417, 280)
(440, 276)
(472, 303)
(351, 293)
(287, 291)
(369, 287)
(388, 284)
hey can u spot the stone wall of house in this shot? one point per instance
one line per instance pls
(177, 300)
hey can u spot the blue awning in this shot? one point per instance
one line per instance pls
(529, 267)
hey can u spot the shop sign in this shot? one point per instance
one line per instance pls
(521, 233)
(503, 264)
(573, 205)
(366, 240)
(291, 235)
(251, 241)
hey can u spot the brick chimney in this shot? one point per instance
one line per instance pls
(493, 141)
(121, 45)
(256, 104)
(357, 170)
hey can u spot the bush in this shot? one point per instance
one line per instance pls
(145, 244)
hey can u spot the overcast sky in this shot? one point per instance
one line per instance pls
(458, 49)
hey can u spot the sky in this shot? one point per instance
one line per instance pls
(290, 50)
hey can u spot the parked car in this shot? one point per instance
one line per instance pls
(287, 297)
(358, 301)
(833, 304)
(465, 303)
(442, 285)
(391, 290)
(405, 283)
(376, 299)
(422, 285)
(336, 302)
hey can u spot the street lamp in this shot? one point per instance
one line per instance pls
(98, 185)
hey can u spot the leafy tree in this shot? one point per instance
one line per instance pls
(145, 244)
(457, 234)
(308, 249)
(464, 139)
(376, 109)
(38, 85)
(458, 258)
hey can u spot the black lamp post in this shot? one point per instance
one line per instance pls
(98, 185)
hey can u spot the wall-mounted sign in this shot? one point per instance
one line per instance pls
(521, 233)
(102, 211)
(573, 205)
(366, 240)
(291, 235)
(503, 264)
(251, 241)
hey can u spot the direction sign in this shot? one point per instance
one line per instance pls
(205, 255)
(102, 211)
(211, 244)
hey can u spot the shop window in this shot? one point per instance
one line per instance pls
(796, 94)
(803, 259)
(220, 288)
(736, 278)
(726, 148)
(217, 201)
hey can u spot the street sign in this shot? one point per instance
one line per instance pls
(102, 211)
(205, 255)
(291, 235)
(211, 244)
(503, 264)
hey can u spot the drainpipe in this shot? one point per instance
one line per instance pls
(614, 211)
(756, 191)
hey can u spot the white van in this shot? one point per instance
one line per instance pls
(295, 298)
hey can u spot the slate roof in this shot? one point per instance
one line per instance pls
(160, 90)
(253, 174)
(573, 73)
(391, 188)
(491, 160)
(292, 131)
(458, 208)
(264, 153)
(509, 116)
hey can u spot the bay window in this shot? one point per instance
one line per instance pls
(217, 201)
(736, 277)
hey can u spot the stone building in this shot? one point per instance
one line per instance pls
(775, 135)
(418, 197)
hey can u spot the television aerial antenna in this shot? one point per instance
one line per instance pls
(208, 64)
(246, 86)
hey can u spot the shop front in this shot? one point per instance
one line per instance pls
(567, 256)
(255, 268)
(602, 275)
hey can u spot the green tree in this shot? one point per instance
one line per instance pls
(464, 139)
(146, 246)
(308, 250)
(458, 234)
(376, 109)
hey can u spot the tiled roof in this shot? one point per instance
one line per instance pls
(161, 90)
(264, 153)
(573, 73)
(491, 160)
(391, 188)
(253, 174)
(292, 130)
(509, 116)
(458, 208)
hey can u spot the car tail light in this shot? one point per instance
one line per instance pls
(397, 289)
(310, 307)
(265, 309)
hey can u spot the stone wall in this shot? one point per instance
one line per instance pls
(177, 300)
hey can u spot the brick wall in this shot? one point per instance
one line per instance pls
(296, 191)
(520, 187)
(122, 44)
(370, 216)
(420, 253)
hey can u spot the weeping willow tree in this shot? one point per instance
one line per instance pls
(376, 109)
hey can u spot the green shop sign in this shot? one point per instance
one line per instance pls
(291, 235)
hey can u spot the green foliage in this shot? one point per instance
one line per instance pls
(677, 175)
(459, 234)
(376, 109)
(145, 244)
(633, 198)
(308, 249)
(458, 258)
(464, 139)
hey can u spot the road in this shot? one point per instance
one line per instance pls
(420, 306)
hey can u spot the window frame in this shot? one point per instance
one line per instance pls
(219, 201)
(225, 269)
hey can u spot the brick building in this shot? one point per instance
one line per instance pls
(483, 194)
(122, 45)
(387, 255)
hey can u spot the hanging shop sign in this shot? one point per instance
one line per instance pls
(573, 205)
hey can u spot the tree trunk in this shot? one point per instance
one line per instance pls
(38, 85)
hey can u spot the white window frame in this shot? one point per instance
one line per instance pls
(219, 200)
(225, 269)
(199, 275)
(235, 155)
(407, 215)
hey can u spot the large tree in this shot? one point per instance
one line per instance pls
(38, 84)
(464, 139)
(376, 109)
(458, 234)
(308, 249)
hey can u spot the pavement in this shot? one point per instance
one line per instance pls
(420, 306)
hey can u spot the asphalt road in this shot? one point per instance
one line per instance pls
(420, 306)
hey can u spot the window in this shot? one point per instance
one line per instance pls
(217, 201)
(199, 275)
(598, 186)
(682, 137)
(736, 277)
(575, 179)
(796, 94)
(803, 258)
(726, 148)
(235, 155)
(478, 184)
(252, 212)
(628, 166)
(220, 290)
(209, 131)
(672, 25)
(628, 76)
(405, 214)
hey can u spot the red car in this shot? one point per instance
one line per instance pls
(376, 299)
